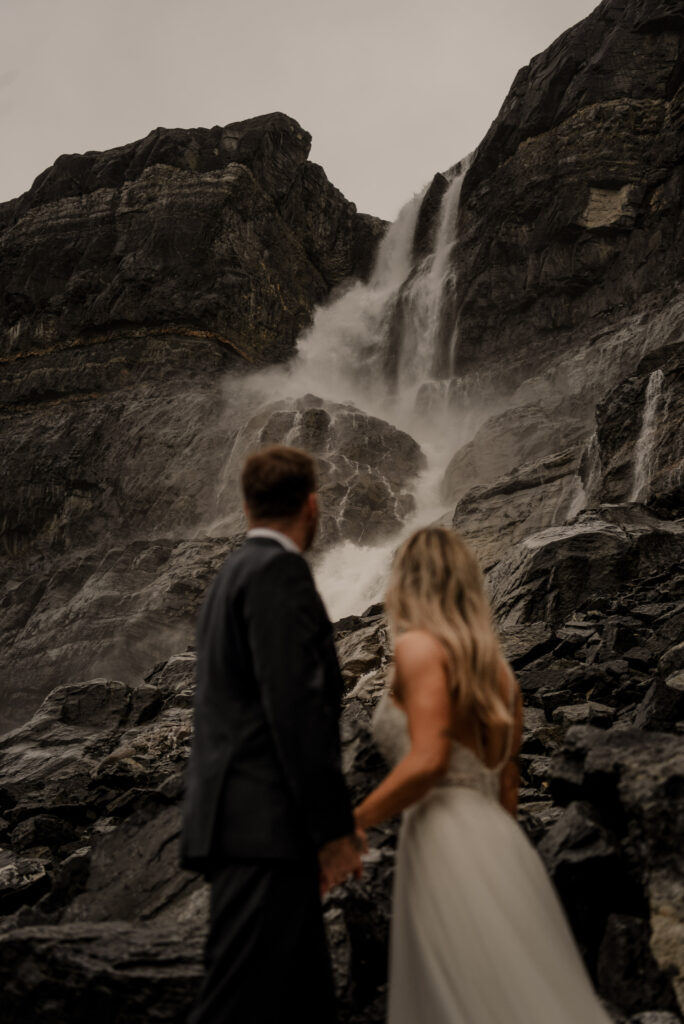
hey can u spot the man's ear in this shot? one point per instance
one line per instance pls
(312, 504)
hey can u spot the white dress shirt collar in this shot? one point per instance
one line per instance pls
(282, 538)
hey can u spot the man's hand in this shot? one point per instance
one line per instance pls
(338, 860)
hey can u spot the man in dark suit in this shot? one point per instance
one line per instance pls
(267, 816)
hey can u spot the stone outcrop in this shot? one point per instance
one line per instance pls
(549, 573)
(508, 441)
(539, 494)
(223, 237)
(99, 612)
(365, 466)
(571, 213)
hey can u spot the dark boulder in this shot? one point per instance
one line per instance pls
(366, 467)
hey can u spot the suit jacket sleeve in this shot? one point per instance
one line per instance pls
(288, 632)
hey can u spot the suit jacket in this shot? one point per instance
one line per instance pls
(264, 778)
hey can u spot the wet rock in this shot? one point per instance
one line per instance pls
(539, 735)
(672, 660)
(124, 876)
(363, 650)
(361, 916)
(546, 575)
(589, 713)
(177, 675)
(506, 448)
(424, 234)
(68, 879)
(525, 643)
(133, 870)
(22, 880)
(117, 612)
(537, 817)
(628, 776)
(120, 887)
(53, 764)
(542, 493)
(366, 467)
(131, 281)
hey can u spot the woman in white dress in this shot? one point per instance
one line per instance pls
(478, 933)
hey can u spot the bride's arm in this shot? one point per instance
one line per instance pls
(422, 684)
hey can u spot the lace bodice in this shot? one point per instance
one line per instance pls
(391, 734)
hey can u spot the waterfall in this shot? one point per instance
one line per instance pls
(585, 491)
(422, 331)
(340, 357)
(379, 342)
(385, 346)
(643, 450)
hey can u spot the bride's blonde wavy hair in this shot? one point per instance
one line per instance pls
(436, 584)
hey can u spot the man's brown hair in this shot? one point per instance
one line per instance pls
(276, 482)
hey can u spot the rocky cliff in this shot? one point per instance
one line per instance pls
(213, 238)
(509, 362)
(130, 282)
(571, 212)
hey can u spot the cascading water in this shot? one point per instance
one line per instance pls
(643, 451)
(425, 343)
(386, 346)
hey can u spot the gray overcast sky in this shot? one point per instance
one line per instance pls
(391, 91)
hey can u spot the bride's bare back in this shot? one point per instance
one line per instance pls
(421, 662)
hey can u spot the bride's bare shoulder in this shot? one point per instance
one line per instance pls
(416, 648)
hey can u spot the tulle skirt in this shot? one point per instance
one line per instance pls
(478, 933)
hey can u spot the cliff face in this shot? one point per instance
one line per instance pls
(130, 282)
(223, 237)
(571, 213)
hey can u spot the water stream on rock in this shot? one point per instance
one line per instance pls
(386, 347)
(643, 450)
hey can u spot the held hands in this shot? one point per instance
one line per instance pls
(339, 859)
